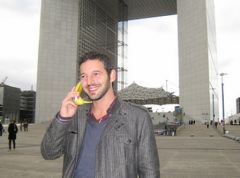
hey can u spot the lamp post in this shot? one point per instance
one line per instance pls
(213, 105)
(223, 112)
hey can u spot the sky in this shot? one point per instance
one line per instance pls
(19, 38)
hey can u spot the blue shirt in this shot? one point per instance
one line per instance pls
(87, 158)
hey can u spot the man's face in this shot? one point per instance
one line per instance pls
(95, 80)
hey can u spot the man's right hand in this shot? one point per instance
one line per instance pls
(68, 107)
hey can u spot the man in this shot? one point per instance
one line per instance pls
(12, 134)
(106, 139)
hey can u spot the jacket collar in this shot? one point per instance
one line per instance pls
(117, 119)
(118, 113)
(109, 112)
(117, 109)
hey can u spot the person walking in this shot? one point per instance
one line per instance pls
(1, 128)
(25, 125)
(108, 138)
(12, 134)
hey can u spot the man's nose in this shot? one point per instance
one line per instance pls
(90, 80)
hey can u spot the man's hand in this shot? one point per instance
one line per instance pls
(68, 107)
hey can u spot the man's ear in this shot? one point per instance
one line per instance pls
(113, 75)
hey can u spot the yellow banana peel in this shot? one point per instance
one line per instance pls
(79, 100)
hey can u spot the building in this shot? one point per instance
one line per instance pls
(238, 105)
(27, 106)
(9, 103)
(16, 104)
(71, 27)
(198, 69)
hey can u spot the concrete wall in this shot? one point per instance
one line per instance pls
(57, 55)
(197, 58)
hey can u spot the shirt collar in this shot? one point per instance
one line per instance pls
(105, 117)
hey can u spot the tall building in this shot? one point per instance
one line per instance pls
(9, 103)
(27, 106)
(70, 28)
(16, 104)
(238, 105)
(197, 59)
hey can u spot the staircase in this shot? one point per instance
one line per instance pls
(197, 130)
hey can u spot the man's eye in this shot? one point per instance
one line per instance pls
(83, 76)
(96, 74)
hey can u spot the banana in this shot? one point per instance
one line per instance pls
(79, 100)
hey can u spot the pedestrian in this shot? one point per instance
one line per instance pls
(25, 125)
(108, 138)
(12, 134)
(1, 128)
(216, 124)
(21, 125)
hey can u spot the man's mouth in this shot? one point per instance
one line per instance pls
(92, 89)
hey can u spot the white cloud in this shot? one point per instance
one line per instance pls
(23, 7)
(19, 43)
(228, 41)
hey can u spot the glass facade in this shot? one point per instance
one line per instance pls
(27, 106)
(10, 102)
(97, 29)
(122, 45)
(101, 31)
(238, 105)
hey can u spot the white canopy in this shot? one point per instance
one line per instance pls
(143, 95)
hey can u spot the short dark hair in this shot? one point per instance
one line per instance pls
(93, 55)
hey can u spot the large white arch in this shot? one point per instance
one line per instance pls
(70, 27)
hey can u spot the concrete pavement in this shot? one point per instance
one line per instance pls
(26, 161)
(196, 152)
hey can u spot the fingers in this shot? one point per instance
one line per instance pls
(68, 107)
(68, 100)
(73, 89)
(68, 103)
(72, 94)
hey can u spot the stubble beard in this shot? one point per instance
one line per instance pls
(102, 92)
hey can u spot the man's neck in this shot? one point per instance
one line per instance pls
(100, 107)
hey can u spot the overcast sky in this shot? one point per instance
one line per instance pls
(153, 39)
